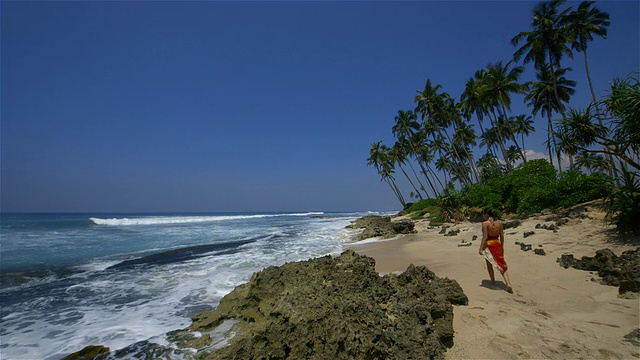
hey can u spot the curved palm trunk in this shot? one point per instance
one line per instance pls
(418, 179)
(396, 191)
(411, 182)
(513, 138)
(524, 147)
(483, 135)
(500, 141)
(555, 92)
(415, 152)
(610, 161)
(455, 151)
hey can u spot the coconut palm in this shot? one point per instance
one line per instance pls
(547, 42)
(465, 137)
(426, 155)
(490, 108)
(398, 154)
(523, 125)
(585, 22)
(502, 82)
(405, 129)
(506, 125)
(378, 157)
(546, 97)
(592, 162)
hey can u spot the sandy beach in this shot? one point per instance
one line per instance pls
(554, 313)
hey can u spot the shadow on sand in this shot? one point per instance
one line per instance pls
(498, 285)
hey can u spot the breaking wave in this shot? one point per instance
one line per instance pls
(187, 219)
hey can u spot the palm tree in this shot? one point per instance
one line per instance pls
(378, 157)
(585, 22)
(547, 42)
(545, 97)
(523, 125)
(398, 154)
(501, 82)
(438, 112)
(405, 129)
(465, 137)
(592, 162)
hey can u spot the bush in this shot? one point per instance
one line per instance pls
(575, 187)
(425, 204)
(624, 203)
(450, 202)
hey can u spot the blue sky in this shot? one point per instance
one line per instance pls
(241, 106)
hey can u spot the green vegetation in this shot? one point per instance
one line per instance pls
(625, 203)
(436, 139)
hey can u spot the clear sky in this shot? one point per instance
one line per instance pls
(241, 106)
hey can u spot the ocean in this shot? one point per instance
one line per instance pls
(72, 280)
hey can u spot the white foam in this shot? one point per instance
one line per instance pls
(187, 219)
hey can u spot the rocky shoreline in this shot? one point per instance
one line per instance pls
(341, 307)
(323, 308)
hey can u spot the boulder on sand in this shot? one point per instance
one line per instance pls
(382, 227)
(335, 308)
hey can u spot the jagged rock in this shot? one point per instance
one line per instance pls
(622, 271)
(509, 224)
(547, 227)
(525, 247)
(539, 251)
(453, 232)
(336, 308)
(382, 227)
(528, 233)
(633, 337)
(90, 352)
(561, 222)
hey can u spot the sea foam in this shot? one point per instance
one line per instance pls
(187, 219)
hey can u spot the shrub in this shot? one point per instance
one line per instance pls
(425, 204)
(624, 203)
(575, 187)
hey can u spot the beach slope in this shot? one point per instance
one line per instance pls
(554, 313)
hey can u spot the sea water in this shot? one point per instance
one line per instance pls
(72, 280)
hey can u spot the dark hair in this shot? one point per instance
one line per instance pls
(490, 212)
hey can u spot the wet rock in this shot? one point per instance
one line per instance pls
(336, 308)
(382, 227)
(90, 352)
(622, 271)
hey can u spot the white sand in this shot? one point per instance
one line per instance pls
(554, 313)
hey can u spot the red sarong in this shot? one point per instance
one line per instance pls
(495, 255)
